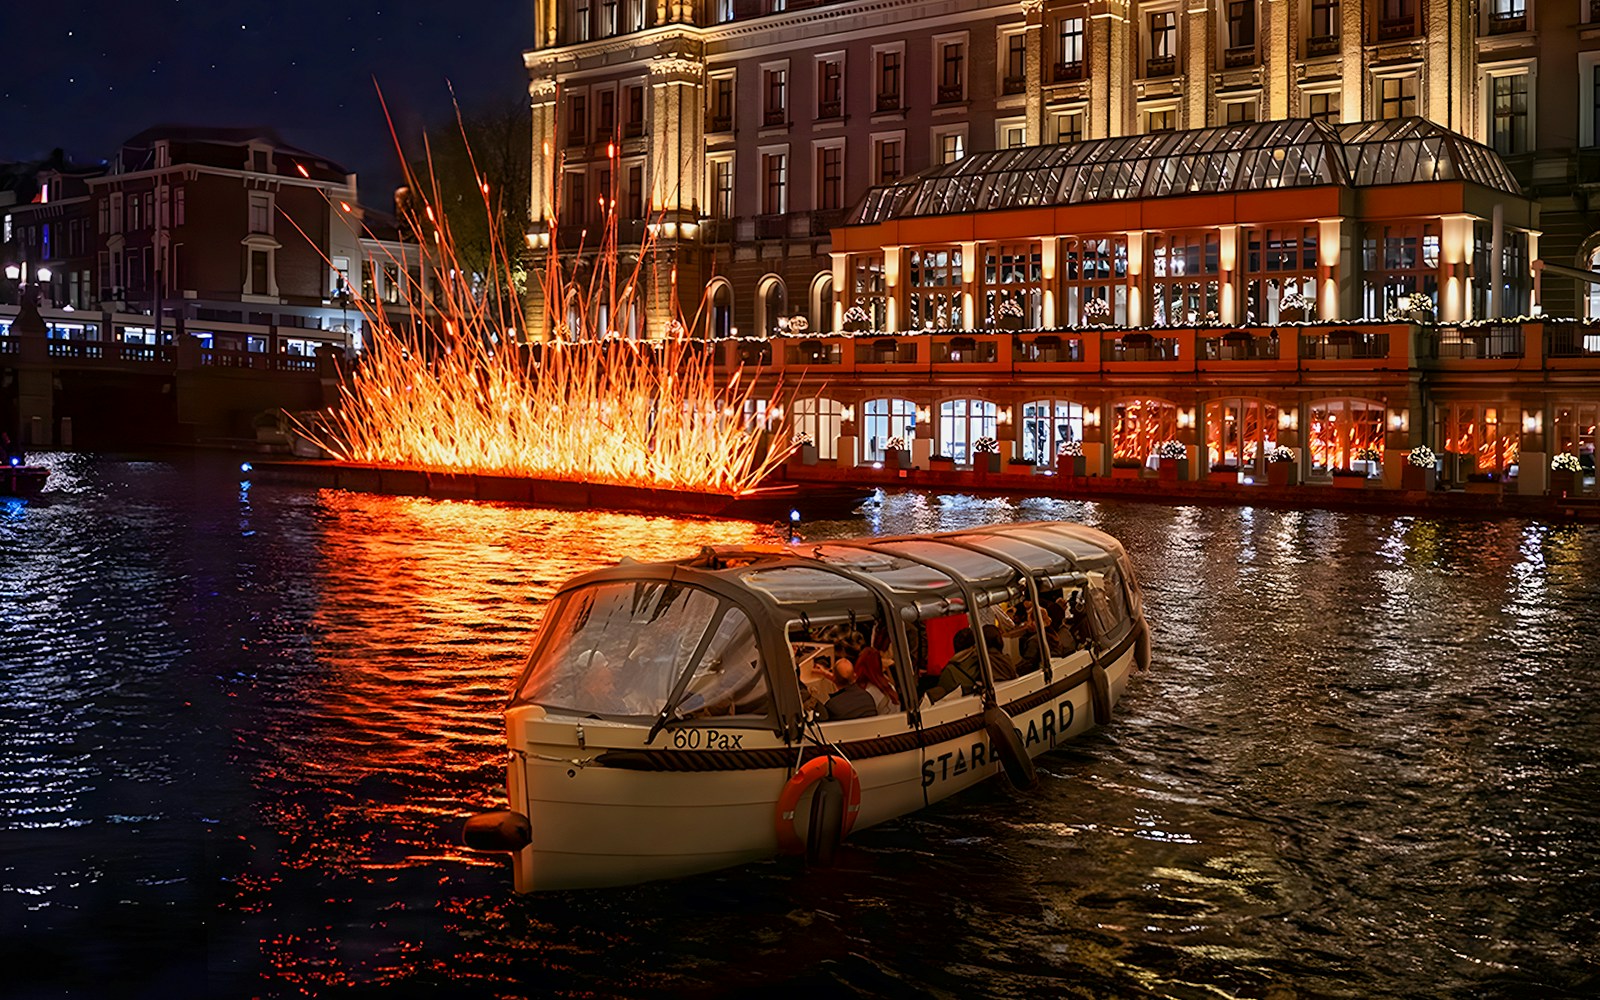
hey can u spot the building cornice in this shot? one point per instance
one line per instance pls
(192, 171)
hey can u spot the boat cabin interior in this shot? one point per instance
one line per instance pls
(770, 638)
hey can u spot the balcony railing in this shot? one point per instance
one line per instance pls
(774, 117)
(1325, 45)
(1160, 66)
(1572, 341)
(1242, 55)
(965, 351)
(1014, 85)
(1391, 28)
(1478, 342)
(1067, 71)
(772, 227)
(632, 130)
(888, 102)
(720, 123)
(1338, 345)
(716, 230)
(1239, 347)
(1138, 347)
(1047, 349)
(1505, 24)
(951, 94)
(830, 109)
(813, 352)
(825, 220)
(886, 351)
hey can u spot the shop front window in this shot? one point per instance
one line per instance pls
(1338, 429)
(934, 302)
(1487, 436)
(1138, 426)
(1240, 431)
(1185, 269)
(1047, 424)
(1013, 283)
(961, 423)
(1094, 269)
(885, 419)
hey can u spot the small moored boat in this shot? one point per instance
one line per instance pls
(668, 719)
(18, 480)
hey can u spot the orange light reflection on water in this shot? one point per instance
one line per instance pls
(424, 615)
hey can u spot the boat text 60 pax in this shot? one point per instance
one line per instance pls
(681, 717)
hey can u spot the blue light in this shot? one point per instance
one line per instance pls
(794, 516)
(15, 461)
(246, 467)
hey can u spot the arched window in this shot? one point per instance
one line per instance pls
(1138, 426)
(720, 294)
(1240, 430)
(1490, 434)
(822, 303)
(885, 419)
(769, 305)
(1337, 430)
(961, 423)
(819, 417)
(1047, 424)
(1591, 292)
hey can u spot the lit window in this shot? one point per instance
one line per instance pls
(1509, 107)
(1397, 97)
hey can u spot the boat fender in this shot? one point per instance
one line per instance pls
(811, 772)
(1005, 745)
(827, 822)
(1100, 694)
(501, 830)
(1141, 648)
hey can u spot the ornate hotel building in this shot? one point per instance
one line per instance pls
(1105, 182)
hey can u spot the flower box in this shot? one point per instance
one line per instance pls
(1415, 477)
(984, 462)
(1017, 468)
(806, 454)
(1282, 474)
(1173, 470)
(1563, 482)
(1070, 465)
(897, 458)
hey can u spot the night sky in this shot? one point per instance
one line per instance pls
(86, 74)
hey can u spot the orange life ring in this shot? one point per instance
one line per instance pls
(813, 771)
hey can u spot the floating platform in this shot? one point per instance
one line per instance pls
(22, 480)
(814, 501)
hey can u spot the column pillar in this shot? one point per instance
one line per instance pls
(677, 158)
(1228, 259)
(1199, 56)
(893, 289)
(1277, 56)
(1034, 68)
(1110, 70)
(1455, 262)
(1337, 270)
(1352, 39)
(1451, 66)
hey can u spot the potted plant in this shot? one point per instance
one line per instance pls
(1020, 466)
(1069, 459)
(1421, 469)
(986, 455)
(805, 448)
(1174, 456)
(1564, 469)
(1294, 308)
(941, 463)
(1414, 308)
(1224, 472)
(1126, 467)
(896, 454)
(1010, 317)
(1282, 470)
(1097, 312)
(1369, 459)
(1348, 479)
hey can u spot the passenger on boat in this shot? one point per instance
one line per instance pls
(961, 672)
(1030, 642)
(849, 700)
(999, 662)
(872, 676)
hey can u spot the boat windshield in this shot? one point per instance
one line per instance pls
(620, 648)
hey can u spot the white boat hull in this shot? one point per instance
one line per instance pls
(675, 808)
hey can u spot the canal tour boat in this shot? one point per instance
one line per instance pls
(667, 721)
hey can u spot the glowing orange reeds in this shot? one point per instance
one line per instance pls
(470, 393)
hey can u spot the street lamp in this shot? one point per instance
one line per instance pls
(19, 274)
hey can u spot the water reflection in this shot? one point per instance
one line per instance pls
(240, 724)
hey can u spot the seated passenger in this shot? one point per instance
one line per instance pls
(849, 700)
(1031, 653)
(872, 676)
(961, 672)
(999, 662)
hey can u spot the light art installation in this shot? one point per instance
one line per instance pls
(470, 394)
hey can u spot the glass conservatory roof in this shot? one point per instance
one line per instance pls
(1257, 156)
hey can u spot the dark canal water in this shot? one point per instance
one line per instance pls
(238, 728)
